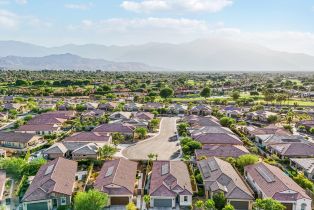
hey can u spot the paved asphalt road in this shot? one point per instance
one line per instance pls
(158, 144)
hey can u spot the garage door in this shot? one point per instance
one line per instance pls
(163, 202)
(119, 200)
(37, 206)
(288, 206)
(240, 205)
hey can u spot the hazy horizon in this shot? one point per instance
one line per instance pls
(283, 25)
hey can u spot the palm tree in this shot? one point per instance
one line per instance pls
(150, 158)
(107, 151)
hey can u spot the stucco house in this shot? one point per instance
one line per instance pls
(52, 186)
(219, 176)
(270, 182)
(19, 141)
(170, 184)
(117, 178)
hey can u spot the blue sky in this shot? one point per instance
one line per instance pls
(286, 25)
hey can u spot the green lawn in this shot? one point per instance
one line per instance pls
(298, 82)
(292, 101)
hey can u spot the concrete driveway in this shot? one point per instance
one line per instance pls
(158, 144)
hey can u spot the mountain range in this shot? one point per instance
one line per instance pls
(70, 62)
(200, 55)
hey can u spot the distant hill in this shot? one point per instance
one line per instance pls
(200, 55)
(70, 62)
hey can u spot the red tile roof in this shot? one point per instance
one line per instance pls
(224, 151)
(277, 183)
(175, 178)
(89, 137)
(115, 127)
(218, 138)
(123, 174)
(57, 176)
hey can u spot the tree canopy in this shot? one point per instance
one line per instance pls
(206, 92)
(268, 204)
(166, 92)
(90, 200)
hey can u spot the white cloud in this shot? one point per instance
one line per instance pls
(8, 19)
(151, 23)
(79, 6)
(21, 1)
(178, 5)
(142, 30)
(145, 6)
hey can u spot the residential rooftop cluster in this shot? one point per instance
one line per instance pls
(206, 142)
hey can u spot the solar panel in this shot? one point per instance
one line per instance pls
(49, 169)
(214, 147)
(109, 171)
(212, 165)
(268, 177)
(165, 169)
(205, 169)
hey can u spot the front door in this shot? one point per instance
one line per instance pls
(54, 203)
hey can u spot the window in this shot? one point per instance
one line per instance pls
(185, 198)
(303, 206)
(63, 200)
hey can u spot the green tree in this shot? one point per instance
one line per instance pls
(227, 121)
(21, 82)
(147, 200)
(131, 206)
(268, 96)
(166, 92)
(245, 160)
(209, 204)
(13, 166)
(117, 138)
(235, 95)
(154, 123)
(272, 118)
(91, 200)
(228, 207)
(80, 107)
(107, 151)
(18, 123)
(206, 92)
(141, 132)
(303, 181)
(220, 200)
(106, 88)
(12, 114)
(27, 155)
(199, 204)
(189, 145)
(182, 129)
(268, 204)
(151, 157)
(33, 166)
